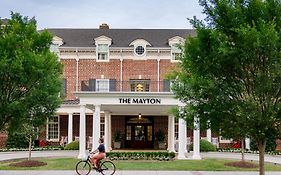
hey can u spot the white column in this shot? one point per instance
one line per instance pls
(96, 127)
(70, 128)
(247, 144)
(196, 139)
(171, 133)
(109, 133)
(182, 139)
(209, 133)
(82, 133)
(106, 131)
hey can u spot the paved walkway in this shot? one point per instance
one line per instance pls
(24, 154)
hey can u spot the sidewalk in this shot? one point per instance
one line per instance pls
(222, 155)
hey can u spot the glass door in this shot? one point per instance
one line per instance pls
(139, 133)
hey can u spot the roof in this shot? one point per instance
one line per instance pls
(120, 37)
(4, 21)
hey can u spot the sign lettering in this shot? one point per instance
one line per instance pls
(139, 100)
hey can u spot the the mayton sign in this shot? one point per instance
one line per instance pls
(139, 100)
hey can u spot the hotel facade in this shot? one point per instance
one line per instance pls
(115, 83)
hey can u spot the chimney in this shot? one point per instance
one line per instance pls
(104, 26)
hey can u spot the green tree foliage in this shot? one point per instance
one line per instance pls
(30, 74)
(231, 71)
(17, 140)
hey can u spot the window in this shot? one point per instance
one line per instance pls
(128, 133)
(102, 125)
(102, 85)
(53, 128)
(54, 48)
(63, 88)
(139, 50)
(139, 85)
(176, 128)
(102, 51)
(176, 52)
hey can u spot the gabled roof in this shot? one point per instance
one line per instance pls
(120, 37)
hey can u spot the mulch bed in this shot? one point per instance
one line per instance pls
(28, 163)
(242, 164)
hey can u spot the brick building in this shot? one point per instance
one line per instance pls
(115, 82)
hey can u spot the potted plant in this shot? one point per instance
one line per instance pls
(160, 137)
(117, 139)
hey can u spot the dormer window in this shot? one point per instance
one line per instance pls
(175, 44)
(56, 43)
(140, 47)
(176, 52)
(102, 48)
(139, 50)
(102, 51)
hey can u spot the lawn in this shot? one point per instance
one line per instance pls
(181, 165)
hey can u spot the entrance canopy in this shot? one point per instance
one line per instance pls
(146, 103)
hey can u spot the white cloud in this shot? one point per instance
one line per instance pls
(118, 14)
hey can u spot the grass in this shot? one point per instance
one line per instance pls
(180, 165)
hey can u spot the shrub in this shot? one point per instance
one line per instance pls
(117, 136)
(72, 146)
(160, 135)
(17, 140)
(141, 155)
(205, 146)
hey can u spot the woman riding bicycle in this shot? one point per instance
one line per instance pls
(99, 154)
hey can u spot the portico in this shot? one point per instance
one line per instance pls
(129, 108)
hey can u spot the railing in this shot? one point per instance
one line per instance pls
(112, 85)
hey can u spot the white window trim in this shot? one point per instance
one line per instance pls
(103, 40)
(97, 53)
(140, 42)
(47, 131)
(103, 80)
(225, 140)
(175, 51)
(142, 55)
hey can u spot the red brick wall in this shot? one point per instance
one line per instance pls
(89, 68)
(146, 68)
(118, 124)
(3, 139)
(161, 122)
(69, 72)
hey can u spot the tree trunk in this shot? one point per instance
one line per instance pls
(242, 150)
(29, 147)
(261, 146)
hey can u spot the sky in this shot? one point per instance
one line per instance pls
(139, 14)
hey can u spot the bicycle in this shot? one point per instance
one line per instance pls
(84, 167)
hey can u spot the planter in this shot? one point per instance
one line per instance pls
(117, 145)
(162, 145)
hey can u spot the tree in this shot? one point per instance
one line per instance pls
(30, 75)
(231, 71)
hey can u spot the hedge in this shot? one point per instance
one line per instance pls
(161, 156)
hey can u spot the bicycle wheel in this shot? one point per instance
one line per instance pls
(83, 167)
(107, 168)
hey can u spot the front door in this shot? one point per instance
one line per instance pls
(139, 133)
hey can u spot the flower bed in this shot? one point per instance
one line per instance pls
(161, 156)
